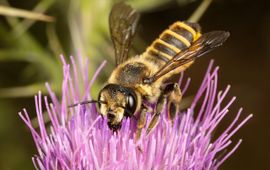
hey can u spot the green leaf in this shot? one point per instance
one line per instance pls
(23, 91)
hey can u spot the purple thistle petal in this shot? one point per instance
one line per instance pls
(89, 85)
(186, 86)
(78, 138)
(76, 79)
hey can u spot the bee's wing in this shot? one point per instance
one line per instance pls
(123, 22)
(204, 44)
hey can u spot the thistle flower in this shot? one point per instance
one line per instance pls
(79, 138)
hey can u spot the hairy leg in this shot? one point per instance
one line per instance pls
(141, 121)
(172, 95)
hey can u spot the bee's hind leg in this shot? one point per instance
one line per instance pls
(174, 100)
(172, 95)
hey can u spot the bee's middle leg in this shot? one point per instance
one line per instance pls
(171, 95)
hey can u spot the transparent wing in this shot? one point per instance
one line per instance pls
(123, 22)
(204, 44)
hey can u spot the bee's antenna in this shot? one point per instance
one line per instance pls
(86, 102)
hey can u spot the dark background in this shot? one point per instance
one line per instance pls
(244, 63)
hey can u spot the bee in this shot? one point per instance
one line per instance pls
(146, 77)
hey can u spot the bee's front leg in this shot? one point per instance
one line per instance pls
(172, 94)
(142, 120)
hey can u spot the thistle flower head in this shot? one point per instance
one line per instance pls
(79, 138)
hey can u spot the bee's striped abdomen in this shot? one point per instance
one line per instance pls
(172, 41)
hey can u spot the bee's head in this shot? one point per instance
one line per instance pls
(117, 102)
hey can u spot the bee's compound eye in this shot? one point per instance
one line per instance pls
(130, 105)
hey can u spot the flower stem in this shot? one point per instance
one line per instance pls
(196, 16)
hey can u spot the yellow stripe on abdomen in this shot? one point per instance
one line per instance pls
(179, 37)
(172, 41)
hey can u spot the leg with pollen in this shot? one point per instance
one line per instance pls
(172, 95)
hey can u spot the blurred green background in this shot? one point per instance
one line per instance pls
(30, 49)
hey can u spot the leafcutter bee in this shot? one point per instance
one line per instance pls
(141, 78)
